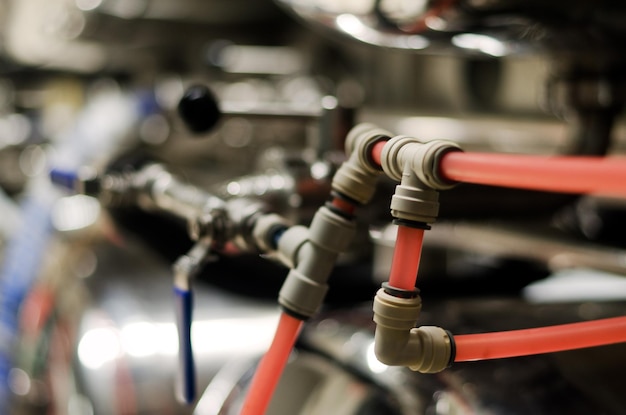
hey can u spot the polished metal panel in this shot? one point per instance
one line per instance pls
(127, 345)
(333, 369)
(490, 28)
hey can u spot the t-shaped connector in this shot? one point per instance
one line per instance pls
(314, 255)
(414, 165)
(403, 154)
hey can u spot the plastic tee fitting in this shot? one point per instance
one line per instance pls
(403, 154)
(414, 165)
(267, 230)
(313, 253)
(425, 349)
(356, 178)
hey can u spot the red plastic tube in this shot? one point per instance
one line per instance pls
(343, 205)
(377, 151)
(548, 173)
(406, 258)
(271, 366)
(540, 340)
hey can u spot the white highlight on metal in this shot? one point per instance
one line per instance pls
(142, 339)
(481, 43)
(75, 212)
(372, 361)
(353, 26)
(87, 5)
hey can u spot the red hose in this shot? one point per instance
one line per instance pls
(406, 258)
(556, 174)
(271, 366)
(343, 205)
(540, 340)
(377, 151)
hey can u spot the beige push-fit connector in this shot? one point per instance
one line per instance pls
(414, 165)
(356, 178)
(314, 253)
(403, 154)
(290, 243)
(398, 342)
(311, 253)
(266, 229)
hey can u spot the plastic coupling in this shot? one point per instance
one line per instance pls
(415, 203)
(268, 230)
(356, 178)
(301, 296)
(425, 349)
(396, 312)
(359, 142)
(289, 245)
(403, 154)
(314, 258)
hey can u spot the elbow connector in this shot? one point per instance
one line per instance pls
(356, 178)
(398, 343)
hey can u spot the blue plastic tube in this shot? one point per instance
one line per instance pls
(186, 382)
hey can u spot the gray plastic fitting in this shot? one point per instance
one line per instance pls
(360, 140)
(330, 231)
(393, 159)
(290, 243)
(356, 178)
(425, 349)
(415, 203)
(403, 152)
(301, 295)
(314, 258)
(414, 165)
(264, 228)
(351, 180)
(425, 163)
(395, 312)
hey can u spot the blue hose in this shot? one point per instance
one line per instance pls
(22, 261)
(187, 371)
(64, 179)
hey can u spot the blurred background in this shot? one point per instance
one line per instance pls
(86, 315)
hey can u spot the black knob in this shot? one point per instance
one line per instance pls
(199, 109)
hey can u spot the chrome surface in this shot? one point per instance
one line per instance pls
(471, 27)
(508, 76)
(127, 345)
(333, 369)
